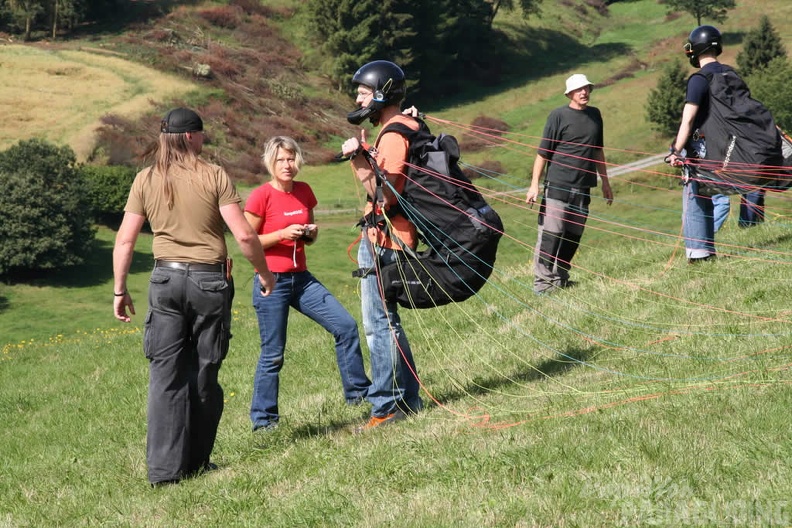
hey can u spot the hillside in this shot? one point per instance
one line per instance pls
(248, 68)
(652, 393)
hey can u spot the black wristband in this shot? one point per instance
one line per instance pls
(120, 294)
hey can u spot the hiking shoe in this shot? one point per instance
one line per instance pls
(266, 428)
(709, 257)
(376, 421)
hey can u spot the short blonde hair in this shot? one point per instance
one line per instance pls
(271, 153)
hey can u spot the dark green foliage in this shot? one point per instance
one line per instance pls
(45, 219)
(761, 46)
(703, 10)
(665, 102)
(51, 18)
(108, 189)
(438, 44)
(773, 86)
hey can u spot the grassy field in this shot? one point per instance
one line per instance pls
(653, 393)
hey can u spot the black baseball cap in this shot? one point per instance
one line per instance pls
(180, 120)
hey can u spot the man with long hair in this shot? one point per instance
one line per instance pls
(186, 201)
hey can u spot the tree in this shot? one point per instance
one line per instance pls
(25, 12)
(528, 7)
(714, 10)
(45, 219)
(64, 12)
(436, 43)
(773, 86)
(107, 190)
(761, 46)
(665, 102)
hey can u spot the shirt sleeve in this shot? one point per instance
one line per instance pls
(255, 203)
(135, 200)
(547, 144)
(227, 193)
(697, 89)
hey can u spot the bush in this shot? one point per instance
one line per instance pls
(773, 86)
(45, 217)
(665, 102)
(108, 189)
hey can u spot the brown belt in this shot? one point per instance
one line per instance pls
(188, 266)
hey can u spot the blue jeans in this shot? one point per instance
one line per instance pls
(720, 210)
(394, 378)
(698, 225)
(751, 209)
(307, 295)
(185, 338)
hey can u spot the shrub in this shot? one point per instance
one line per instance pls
(485, 127)
(108, 189)
(665, 102)
(45, 217)
(773, 86)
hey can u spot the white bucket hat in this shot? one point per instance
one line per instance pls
(576, 81)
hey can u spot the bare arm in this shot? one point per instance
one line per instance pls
(248, 242)
(685, 129)
(360, 165)
(122, 260)
(536, 176)
(602, 170)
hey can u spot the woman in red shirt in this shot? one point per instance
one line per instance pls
(281, 212)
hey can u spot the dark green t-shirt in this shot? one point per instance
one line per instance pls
(570, 141)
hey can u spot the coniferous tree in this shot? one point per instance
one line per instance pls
(761, 46)
(773, 86)
(436, 43)
(665, 102)
(714, 10)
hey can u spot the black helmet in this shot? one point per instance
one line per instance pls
(702, 39)
(388, 83)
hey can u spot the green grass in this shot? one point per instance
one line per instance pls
(653, 393)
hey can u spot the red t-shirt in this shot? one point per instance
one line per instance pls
(278, 209)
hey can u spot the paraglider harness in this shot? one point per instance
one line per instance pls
(453, 220)
(743, 143)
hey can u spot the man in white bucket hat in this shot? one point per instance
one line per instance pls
(571, 151)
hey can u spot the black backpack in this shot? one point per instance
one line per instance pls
(743, 142)
(457, 226)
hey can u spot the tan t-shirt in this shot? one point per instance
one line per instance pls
(193, 230)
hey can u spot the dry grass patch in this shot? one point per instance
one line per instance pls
(60, 95)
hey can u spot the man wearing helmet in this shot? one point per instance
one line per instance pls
(394, 391)
(699, 212)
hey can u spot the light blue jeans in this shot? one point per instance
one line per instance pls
(303, 292)
(751, 209)
(698, 213)
(394, 378)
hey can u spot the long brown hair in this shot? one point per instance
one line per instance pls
(170, 150)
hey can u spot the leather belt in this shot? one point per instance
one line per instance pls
(188, 266)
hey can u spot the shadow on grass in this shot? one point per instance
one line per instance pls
(546, 52)
(97, 269)
(555, 367)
